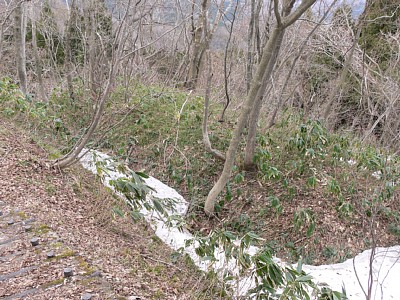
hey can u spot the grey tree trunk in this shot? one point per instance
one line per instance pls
(260, 75)
(19, 36)
(255, 113)
(202, 35)
(38, 64)
(206, 139)
(68, 51)
(341, 81)
(113, 66)
(281, 100)
(246, 109)
(72, 157)
(91, 25)
(253, 40)
(198, 45)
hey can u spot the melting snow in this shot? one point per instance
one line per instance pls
(385, 266)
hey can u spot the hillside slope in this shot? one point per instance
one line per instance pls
(71, 215)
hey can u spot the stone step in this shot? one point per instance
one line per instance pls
(21, 295)
(17, 273)
(12, 256)
(41, 277)
(8, 240)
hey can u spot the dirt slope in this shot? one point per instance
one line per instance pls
(71, 215)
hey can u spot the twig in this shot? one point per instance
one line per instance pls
(160, 261)
(5, 154)
(358, 278)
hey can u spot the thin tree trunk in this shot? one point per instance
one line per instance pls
(68, 50)
(281, 101)
(72, 157)
(226, 73)
(198, 42)
(255, 113)
(1, 43)
(19, 35)
(250, 100)
(250, 53)
(38, 64)
(341, 81)
(206, 139)
(246, 109)
(202, 36)
(92, 48)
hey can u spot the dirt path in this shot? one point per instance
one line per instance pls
(70, 216)
(36, 262)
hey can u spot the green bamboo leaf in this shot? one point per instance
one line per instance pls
(118, 211)
(304, 278)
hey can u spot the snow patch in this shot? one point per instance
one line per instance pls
(385, 266)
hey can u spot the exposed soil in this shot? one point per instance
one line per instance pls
(71, 214)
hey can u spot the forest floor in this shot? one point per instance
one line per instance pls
(70, 213)
(303, 198)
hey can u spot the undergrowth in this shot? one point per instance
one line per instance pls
(312, 190)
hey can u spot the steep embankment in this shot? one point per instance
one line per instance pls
(71, 215)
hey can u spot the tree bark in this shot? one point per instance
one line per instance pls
(341, 81)
(281, 101)
(255, 113)
(234, 143)
(68, 51)
(72, 157)
(202, 36)
(250, 52)
(38, 64)
(226, 72)
(91, 25)
(198, 44)
(250, 100)
(206, 139)
(19, 36)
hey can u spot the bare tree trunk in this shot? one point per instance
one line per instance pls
(68, 50)
(71, 157)
(250, 100)
(246, 109)
(202, 36)
(253, 40)
(198, 44)
(337, 90)
(91, 24)
(38, 64)
(249, 61)
(1, 42)
(226, 73)
(206, 139)
(281, 101)
(19, 36)
(8, 12)
(255, 113)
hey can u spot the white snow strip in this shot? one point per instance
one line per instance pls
(385, 271)
(385, 266)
